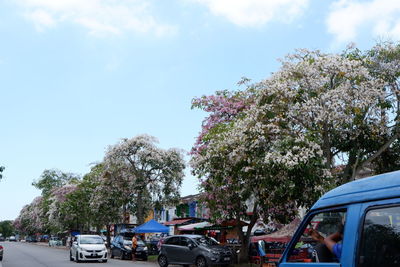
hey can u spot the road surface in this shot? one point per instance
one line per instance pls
(18, 254)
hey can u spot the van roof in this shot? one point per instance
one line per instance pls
(377, 187)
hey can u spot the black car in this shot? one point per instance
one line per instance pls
(121, 247)
(193, 249)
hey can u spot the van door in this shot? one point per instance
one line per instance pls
(304, 250)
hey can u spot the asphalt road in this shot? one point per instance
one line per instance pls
(17, 254)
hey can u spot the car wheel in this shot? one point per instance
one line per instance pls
(70, 256)
(201, 262)
(1, 258)
(77, 258)
(123, 256)
(186, 265)
(112, 255)
(162, 261)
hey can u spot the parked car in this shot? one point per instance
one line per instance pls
(121, 247)
(1, 252)
(365, 214)
(2, 238)
(88, 248)
(12, 239)
(193, 249)
(31, 239)
(55, 241)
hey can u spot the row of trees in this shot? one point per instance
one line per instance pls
(274, 146)
(134, 176)
(312, 125)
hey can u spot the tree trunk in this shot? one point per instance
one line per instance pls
(245, 238)
(140, 208)
(326, 146)
(108, 227)
(348, 170)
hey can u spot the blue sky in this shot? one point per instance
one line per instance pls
(76, 76)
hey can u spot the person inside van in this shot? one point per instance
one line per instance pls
(330, 242)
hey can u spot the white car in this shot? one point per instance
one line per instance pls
(88, 248)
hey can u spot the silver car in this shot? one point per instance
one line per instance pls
(193, 249)
(88, 248)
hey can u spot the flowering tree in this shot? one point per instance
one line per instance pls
(30, 219)
(140, 172)
(51, 179)
(278, 152)
(60, 215)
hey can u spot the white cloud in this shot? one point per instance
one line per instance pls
(348, 17)
(99, 17)
(254, 13)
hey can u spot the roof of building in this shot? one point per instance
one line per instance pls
(377, 187)
(178, 221)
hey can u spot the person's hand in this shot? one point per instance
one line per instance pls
(315, 235)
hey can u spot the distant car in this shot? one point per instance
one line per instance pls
(199, 250)
(30, 239)
(55, 241)
(88, 248)
(2, 238)
(1, 252)
(121, 246)
(12, 239)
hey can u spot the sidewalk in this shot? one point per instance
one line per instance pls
(45, 244)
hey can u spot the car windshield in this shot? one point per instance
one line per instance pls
(204, 240)
(91, 240)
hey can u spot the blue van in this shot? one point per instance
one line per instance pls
(365, 212)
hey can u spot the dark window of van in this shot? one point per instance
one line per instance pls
(325, 224)
(380, 243)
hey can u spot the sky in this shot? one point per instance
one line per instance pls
(76, 76)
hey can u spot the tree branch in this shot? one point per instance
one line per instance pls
(378, 153)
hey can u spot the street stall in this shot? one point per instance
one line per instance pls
(151, 227)
(269, 248)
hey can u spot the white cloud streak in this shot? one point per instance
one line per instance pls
(99, 17)
(256, 13)
(348, 17)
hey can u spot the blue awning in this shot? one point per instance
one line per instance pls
(151, 227)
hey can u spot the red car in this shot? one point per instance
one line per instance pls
(1, 252)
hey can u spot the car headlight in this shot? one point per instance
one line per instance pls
(214, 252)
(127, 247)
(145, 248)
(83, 249)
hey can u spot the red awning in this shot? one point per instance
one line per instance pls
(177, 222)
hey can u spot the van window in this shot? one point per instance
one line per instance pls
(327, 225)
(380, 242)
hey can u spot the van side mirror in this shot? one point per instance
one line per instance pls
(191, 246)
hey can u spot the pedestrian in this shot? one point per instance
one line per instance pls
(134, 246)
